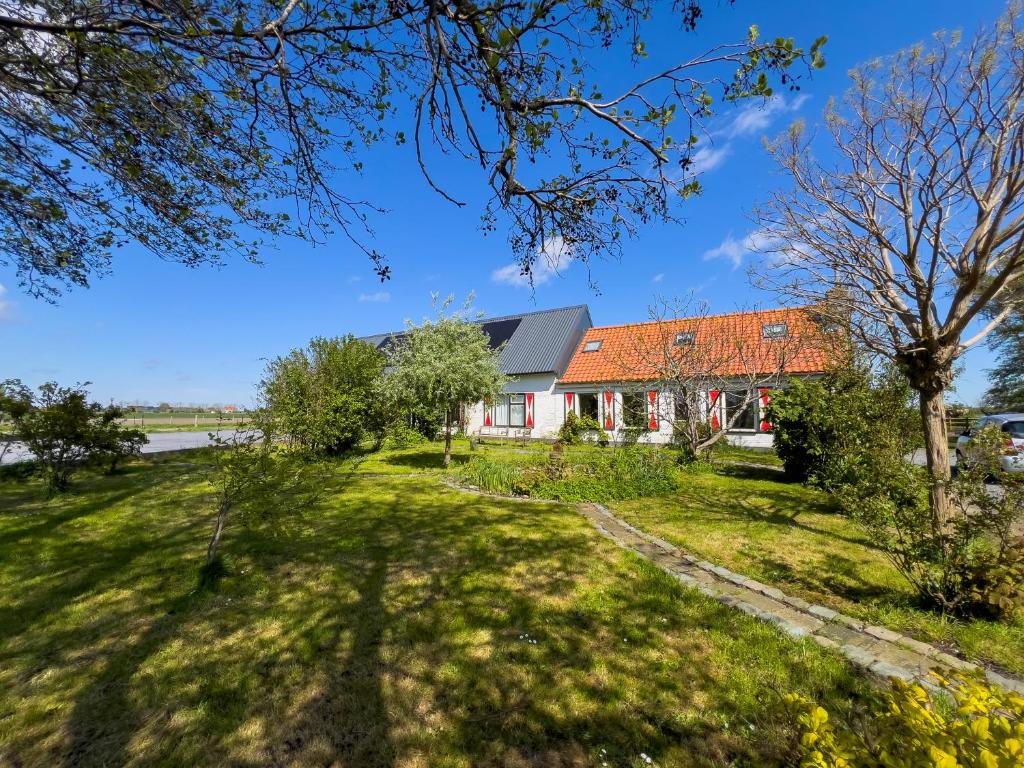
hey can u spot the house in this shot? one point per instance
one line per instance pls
(633, 376)
(538, 347)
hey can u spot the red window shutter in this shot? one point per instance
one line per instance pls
(652, 410)
(765, 393)
(609, 409)
(715, 423)
(529, 410)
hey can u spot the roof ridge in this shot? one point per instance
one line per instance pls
(699, 317)
(491, 319)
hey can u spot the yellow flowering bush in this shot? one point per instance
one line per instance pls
(982, 728)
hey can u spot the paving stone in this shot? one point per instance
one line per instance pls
(882, 651)
(823, 613)
(883, 634)
(885, 669)
(797, 602)
(1005, 682)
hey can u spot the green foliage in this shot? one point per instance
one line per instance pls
(91, 160)
(444, 364)
(577, 429)
(1006, 380)
(15, 402)
(63, 430)
(908, 729)
(625, 473)
(823, 428)
(258, 482)
(327, 396)
(401, 436)
(972, 566)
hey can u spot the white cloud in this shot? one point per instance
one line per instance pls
(708, 158)
(755, 117)
(6, 307)
(658, 277)
(353, 279)
(752, 119)
(735, 250)
(552, 260)
(378, 297)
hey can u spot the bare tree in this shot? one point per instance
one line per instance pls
(917, 230)
(704, 362)
(181, 125)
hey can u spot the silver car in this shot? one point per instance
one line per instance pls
(1012, 425)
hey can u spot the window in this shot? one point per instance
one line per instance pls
(501, 411)
(686, 338)
(774, 331)
(634, 410)
(588, 405)
(682, 407)
(517, 410)
(1014, 429)
(592, 346)
(747, 419)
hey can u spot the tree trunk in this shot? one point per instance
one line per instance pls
(933, 419)
(447, 437)
(218, 530)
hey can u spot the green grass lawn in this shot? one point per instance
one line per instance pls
(790, 537)
(400, 623)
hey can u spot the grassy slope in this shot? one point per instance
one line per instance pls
(387, 628)
(788, 536)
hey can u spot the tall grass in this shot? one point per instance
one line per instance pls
(626, 473)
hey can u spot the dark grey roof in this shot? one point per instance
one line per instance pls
(537, 342)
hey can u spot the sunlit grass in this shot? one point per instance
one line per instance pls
(400, 623)
(790, 536)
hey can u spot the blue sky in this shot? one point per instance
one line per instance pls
(155, 331)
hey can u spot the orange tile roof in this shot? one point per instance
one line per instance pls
(730, 345)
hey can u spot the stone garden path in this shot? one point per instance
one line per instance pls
(880, 650)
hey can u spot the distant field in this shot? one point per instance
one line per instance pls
(180, 422)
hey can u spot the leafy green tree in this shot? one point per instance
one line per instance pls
(325, 397)
(63, 430)
(111, 442)
(1006, 389)
(15, 402)
(821, 426)
(181, 124)
(443, 364)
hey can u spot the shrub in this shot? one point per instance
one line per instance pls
(971, 567)
(63, 430)
(821, 427)
(906, 729)
(577, 429)
(326, 395)
(401, 435)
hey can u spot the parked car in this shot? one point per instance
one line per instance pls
(1012, 425)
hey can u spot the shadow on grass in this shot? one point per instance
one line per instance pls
(428, 458)
(400, 622)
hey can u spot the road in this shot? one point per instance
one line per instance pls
(918, 457)
(158, 441)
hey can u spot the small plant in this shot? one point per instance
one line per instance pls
(906, 729)
(577, 429)
(401, 436)
(973, 565)
(257, 481)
